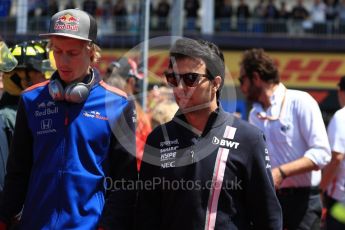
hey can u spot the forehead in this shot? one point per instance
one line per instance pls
(188, 63)
(67, 43)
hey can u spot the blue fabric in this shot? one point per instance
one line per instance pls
(71, 147)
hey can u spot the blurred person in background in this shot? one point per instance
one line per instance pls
(124, 75)
(161, 105)
(5, 8)
(191, 8)
(162, 11)
(333, 177)
(243, 15)
(7, 63)
(299, 14)
(223, 12)
(33, 67)
(1, 84)
(296, 138)
(90, 6)
(70, 4)
(120, 13)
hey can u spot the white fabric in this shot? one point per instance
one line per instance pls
(336, 135)
(300, 131)
(318, 13)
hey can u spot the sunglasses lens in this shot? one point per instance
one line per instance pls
(171, 79)
(190, 79)
(241, 79)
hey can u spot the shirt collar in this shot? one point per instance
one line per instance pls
(275, 99)
(278, 94)
(216, 118)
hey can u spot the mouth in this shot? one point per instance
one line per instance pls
(182, 98)
(65, 72)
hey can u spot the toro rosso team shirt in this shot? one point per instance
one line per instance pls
(61, 154)
(220, 179)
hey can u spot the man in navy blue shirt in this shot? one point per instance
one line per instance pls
(205, 169)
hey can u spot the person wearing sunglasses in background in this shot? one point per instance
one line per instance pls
(296, 138)
(208, 169)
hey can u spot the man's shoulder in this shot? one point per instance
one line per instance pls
(113, 90)
(165, 127)
(340, 112)
(35, 88)
(242, 130)
(339, 115)
(299, 95)
(246, 129)
(301, 100)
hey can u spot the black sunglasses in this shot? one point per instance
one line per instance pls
(189, 79)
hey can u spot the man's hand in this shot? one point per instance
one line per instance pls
(277, 178)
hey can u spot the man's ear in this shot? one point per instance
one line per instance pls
(217, 81)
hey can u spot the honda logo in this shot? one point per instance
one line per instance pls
(46, 124)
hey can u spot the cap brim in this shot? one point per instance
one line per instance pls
(65, 35)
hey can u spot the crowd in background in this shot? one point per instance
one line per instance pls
(160, 96)
(268, 16)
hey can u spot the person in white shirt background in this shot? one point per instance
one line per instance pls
(333, 176)
(296, 138)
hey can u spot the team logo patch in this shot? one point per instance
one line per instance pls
(229, 132)
(168, 153)
(95, 115)
(267, 159)
(46, 127)
(225, 142)
(46, 108)
(67, 22)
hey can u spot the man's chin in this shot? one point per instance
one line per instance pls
(65, 76)
(192, 108)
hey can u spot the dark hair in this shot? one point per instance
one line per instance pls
(206, 51)
(256, 60)
(341, 83)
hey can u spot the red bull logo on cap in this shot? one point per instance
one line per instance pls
(67, 22)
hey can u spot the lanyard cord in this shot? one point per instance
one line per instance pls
(274, 118)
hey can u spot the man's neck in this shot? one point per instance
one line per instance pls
(268, 91)
(198, 119)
